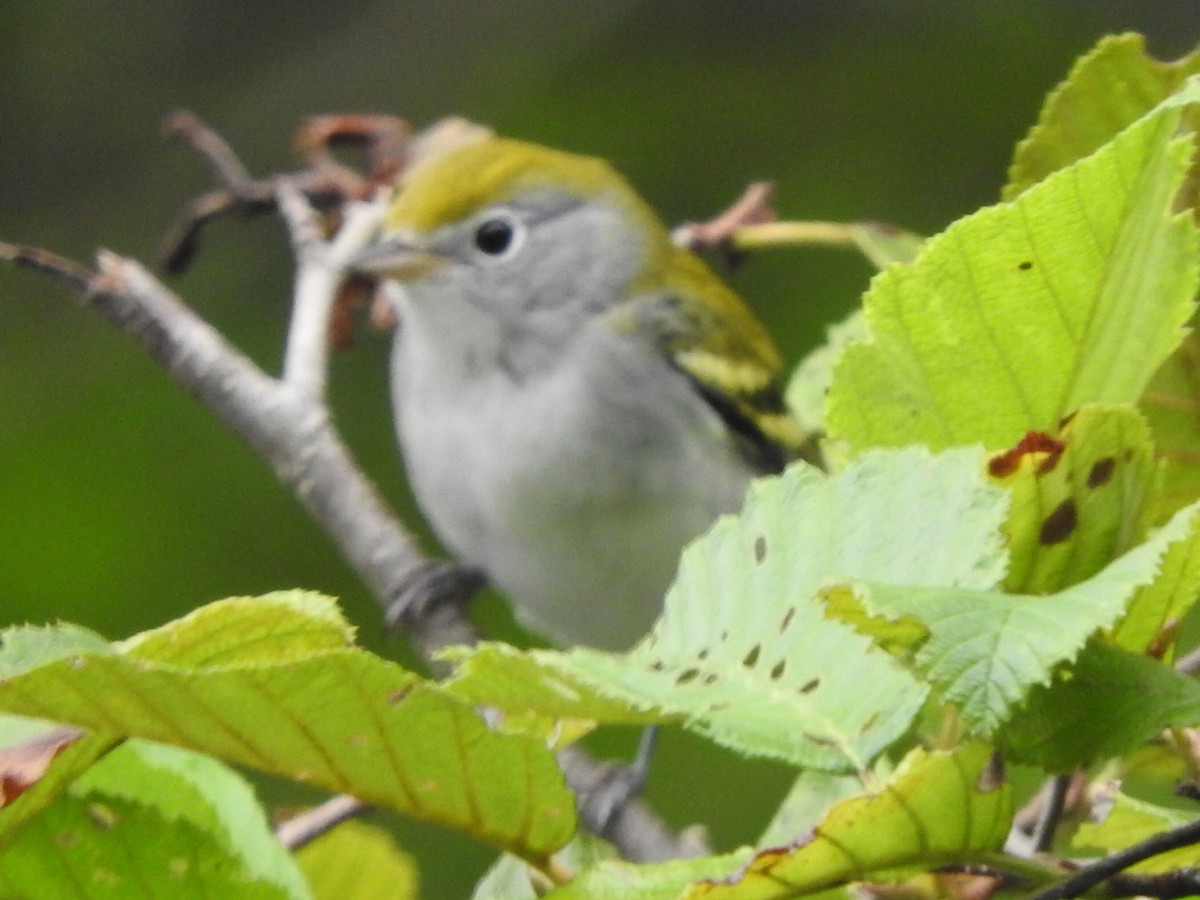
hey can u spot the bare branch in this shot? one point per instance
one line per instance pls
(1090, 876)
(306, 827)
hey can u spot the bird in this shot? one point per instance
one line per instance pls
(576, 397)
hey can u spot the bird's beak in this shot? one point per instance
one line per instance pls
(395, 256)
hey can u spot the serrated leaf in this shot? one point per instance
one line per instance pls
(1108, 89)
(25, 646)
(1171, 404)
(1157, 608)
(184, 786)
(339, 718)
(1133, 696)
(1078, 497)
(987, 649)
(1073, 293)
(808, 387)
(1130, 821)
(243, 630)
(358, 861)
(938, 809)
(744, 650)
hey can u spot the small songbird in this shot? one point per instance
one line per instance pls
(576, 397)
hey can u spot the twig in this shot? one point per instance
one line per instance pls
(290, 431)
(1189, 663)
(306, 827)
(1090, 876)
(1052, 810)
(752, 208)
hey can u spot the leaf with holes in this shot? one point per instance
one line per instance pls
(229, 681)
(938, 809)
(745, 652)
(1073, 293)
(986, 649)
(1078, 497)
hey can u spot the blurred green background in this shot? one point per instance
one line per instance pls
(123, 503)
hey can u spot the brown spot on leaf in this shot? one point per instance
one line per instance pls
(810, 685)
(687, 676)
(1025, 265)
(395, 698)
(1101, 472)
(787, 618)
(991, 777)
(760, 548)
(1006, 463)
(751, 659)
(1060, 524)
(870, 723)
(820, 739)
(778, 669)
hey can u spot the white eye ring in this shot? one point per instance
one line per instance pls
(498, 235)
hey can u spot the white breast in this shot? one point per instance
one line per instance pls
(574, 488)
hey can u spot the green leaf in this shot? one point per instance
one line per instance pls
(272, 628)
(1157, 608)
(336, 717)
(937, 809)
(744, 650)
(808, 387)
(96, 849)
(39, 761)
(1108, 89)
(185, 786)
(25, 646)
(1134, 697)
(648, 881)
(808, 801)
(1078, 497)
(358, 861)
(151, 821)
(1170, 404)
(1073, 293)
(987, 649)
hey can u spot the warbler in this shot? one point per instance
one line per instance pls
(576, 398)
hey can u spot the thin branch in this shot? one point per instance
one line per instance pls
(306, 827)
(1051, 812)
(282, 424)
(1090, 876)
(1189, 664)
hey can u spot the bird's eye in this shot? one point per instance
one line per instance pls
(499, 235)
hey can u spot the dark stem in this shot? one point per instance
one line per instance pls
(1090, 876)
